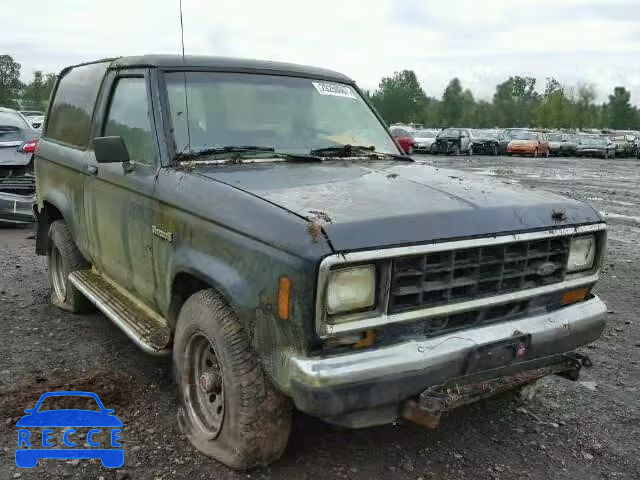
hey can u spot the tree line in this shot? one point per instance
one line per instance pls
(516, 103)
(14, 93)
(400, 99)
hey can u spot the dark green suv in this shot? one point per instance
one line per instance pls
(257, 221)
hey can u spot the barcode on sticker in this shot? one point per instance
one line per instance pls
(334, 89)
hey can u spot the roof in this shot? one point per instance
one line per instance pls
(228, 64)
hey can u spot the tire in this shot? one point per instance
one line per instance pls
(433, 150)
(230, 409)
(63, 258)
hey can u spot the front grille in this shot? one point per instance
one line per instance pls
(439, 278)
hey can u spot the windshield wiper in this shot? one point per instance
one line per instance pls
(355, 150)
(190, 155)
(343, 150)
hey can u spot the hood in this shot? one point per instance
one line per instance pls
(377, 204)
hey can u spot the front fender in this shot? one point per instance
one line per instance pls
(214, 272)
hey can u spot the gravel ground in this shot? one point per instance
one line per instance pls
(586, 429)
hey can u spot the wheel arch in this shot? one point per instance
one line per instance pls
(202, 272)
(45, 213)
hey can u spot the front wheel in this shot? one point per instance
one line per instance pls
(230, 409)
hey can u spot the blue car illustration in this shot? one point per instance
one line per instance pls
(36, 418)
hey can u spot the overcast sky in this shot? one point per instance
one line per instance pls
(482, 41)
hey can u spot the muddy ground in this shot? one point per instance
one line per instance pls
(587, 429)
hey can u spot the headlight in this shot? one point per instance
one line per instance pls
(581, 254)
(351, 288)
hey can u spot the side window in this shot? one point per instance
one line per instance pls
(69, 119)
(128, 117)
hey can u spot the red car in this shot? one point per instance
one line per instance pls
(404, 139)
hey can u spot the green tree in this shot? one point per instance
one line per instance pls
(620, 112)
(515, 101)
(400, 98)
(554, 110)
(9, 81)
(453, 103)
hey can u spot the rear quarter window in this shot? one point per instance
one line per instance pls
(69, 119)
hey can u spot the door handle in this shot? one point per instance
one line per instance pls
(92, 169)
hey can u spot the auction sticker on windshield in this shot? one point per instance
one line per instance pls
(334, 89)
(91, 431)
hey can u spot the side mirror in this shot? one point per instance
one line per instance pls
(110, 150)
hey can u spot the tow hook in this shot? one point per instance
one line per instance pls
(578, 360)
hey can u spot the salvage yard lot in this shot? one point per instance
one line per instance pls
(586, 429)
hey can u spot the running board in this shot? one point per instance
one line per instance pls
(146, 328)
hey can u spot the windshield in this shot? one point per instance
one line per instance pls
(450, 132)
(523, 136)
(290, 115)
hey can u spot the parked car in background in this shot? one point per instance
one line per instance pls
(425, 140)
(601, 147)
(404, 139)
(36, 122)
(484, 142)
(17, 182)
(524, 142)
(558, 143)
(34, 117)
(454, 141)
(624, 144)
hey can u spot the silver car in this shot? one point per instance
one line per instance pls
(17, 182)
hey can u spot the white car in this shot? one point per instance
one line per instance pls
(424, 140)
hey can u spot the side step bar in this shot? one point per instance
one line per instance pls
(146, 328)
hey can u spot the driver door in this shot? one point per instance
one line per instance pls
(119, 197)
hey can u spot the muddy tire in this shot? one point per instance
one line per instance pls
(63, 258)
(229, 410)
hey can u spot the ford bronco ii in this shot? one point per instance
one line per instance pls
(257, 221)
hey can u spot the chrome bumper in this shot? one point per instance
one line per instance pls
(432, 360)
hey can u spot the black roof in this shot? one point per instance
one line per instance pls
(226, 64)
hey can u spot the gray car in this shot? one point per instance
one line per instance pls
(17, 182)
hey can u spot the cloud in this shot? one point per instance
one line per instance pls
(481, 42)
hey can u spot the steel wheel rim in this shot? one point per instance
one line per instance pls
(204, 389)
(58, 279)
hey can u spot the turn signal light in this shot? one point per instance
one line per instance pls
(284, 297)
(573, 296)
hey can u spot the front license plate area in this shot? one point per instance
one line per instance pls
(497, 354)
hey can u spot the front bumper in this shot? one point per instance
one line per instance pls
(16, 208)
(367, 387)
